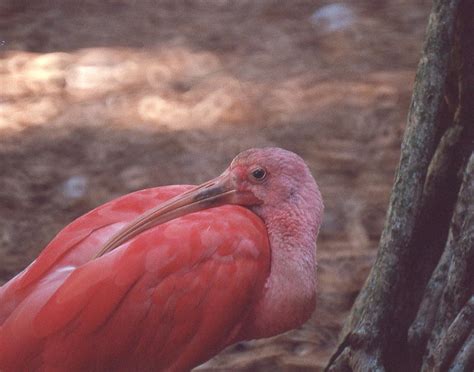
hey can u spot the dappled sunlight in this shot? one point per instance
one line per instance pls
(158, 109)
(27, 112)
(179, 115)
(173, 89)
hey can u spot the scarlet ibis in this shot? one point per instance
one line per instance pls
(165, 278)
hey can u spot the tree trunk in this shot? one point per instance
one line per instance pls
(416, 310)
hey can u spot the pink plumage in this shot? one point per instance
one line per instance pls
(165, 278)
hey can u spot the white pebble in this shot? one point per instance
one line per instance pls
(333, 17)
(75, 187)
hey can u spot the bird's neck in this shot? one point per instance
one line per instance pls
(289, 294)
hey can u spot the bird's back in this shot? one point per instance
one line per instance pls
(170, 298)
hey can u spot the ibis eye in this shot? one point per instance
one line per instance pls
(259, 174)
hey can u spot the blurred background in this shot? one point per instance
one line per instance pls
(101, 98)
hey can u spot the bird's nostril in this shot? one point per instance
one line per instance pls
(205, 193)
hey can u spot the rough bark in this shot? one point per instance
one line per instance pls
(454, 315)
(415, 310)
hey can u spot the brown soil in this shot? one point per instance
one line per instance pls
(99, 98)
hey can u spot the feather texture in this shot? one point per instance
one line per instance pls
(168, 299)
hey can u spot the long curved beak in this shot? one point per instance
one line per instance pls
(216, 192)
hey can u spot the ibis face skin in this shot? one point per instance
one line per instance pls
(165, 278)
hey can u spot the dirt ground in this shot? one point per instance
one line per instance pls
(100, 98)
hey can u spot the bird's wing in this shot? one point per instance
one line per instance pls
(78, 242)
(69, 246)
(171, 297)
